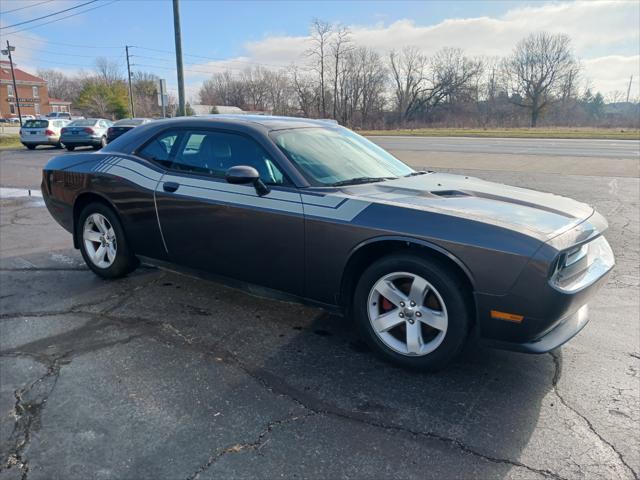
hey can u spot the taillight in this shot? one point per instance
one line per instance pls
(89, 130)
(63, 130)
(49, 133)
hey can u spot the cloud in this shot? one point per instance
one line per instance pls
(605, 35)
(613, 73)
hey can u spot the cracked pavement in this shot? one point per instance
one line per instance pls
(165, 376)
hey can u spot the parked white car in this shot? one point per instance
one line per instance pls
(42, 132)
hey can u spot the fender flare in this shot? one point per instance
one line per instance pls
(410, 241)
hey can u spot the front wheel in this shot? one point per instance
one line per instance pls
(70, 148)
(103, 243)
(412, 311)
(31, 147)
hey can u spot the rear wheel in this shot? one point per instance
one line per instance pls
(412, 311)
(70, 148)
(103, 243)
(103, 143)
(31, 147)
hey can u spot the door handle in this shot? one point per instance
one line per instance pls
(170, 186)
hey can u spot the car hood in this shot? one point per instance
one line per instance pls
(543, 215)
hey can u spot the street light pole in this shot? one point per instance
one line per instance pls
(178, 39)
(8, 51)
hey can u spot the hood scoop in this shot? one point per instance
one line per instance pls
(450, 193)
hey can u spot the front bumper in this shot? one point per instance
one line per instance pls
(543, 309)
(561, 333)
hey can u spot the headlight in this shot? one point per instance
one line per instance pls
(581, 266)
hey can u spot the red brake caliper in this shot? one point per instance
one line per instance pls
(385, 304)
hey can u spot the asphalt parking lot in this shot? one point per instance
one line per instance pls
(165, 376)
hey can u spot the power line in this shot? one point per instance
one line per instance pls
(49, 52)
(62, 18)
(26, 6)
(72, 45)
(49, 15)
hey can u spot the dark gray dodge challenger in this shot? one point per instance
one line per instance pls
(308, 210)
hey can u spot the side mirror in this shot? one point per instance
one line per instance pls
(243, 174)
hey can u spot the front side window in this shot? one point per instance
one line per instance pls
(160, 148)
(328, 156)
(213, 153)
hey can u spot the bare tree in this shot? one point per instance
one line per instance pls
(537, 70)
(60, 85)
(320, 34)
(223, 89)
(408, 77)
(453, 78)
(304, 92)
(109, 72)
(145, 94)
(340, 45)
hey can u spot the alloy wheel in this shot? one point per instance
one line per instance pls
(99, 240)
(407, 313)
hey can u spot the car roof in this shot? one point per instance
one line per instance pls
(270, 122)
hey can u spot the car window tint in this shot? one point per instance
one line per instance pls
(36, 124)
(213, 153)
(159, 149)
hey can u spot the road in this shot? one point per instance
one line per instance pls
(515, 146)
(165, 376)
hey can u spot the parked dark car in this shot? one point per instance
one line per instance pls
(309, 210)
(87, 132)
(123, 126)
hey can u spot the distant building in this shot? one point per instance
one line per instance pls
(57, 105)
(32, 94)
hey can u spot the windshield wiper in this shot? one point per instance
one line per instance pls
(413, 174)
(359, 180)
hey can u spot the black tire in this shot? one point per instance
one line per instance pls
(58, 145)
(31, 147)
(70, 148)
(103, 143)
(450, 287)
(125, 261)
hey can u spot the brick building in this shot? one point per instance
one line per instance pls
(32, 94)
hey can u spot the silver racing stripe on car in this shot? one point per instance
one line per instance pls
(328, 207)
(336, 208)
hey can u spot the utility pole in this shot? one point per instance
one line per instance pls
(629, 88)
(11, 48)
(178, 38)
(133, 113)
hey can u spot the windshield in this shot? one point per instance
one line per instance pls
(83, 123)
(329, 156)
(36, 124)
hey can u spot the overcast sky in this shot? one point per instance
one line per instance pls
(605, 34)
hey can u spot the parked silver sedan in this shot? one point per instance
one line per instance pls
(42, 132)
(90, 132)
